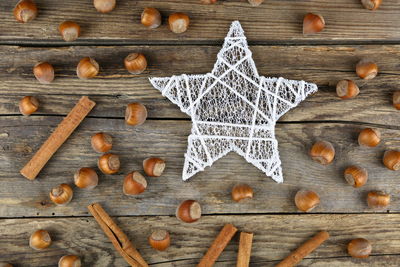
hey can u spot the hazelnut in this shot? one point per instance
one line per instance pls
(28, 105)
(160, 240)
(189, 211)
(87, 68)
(44, 72)
(255, 2)
(39, 240)
(25, 11)
(104, 6)
(69, 261)
(378, 200)
(86, 178)
(396, 100)
(101, 142)
(322, 152)
(134, 184)
(241, 192)
(356, 176)
(371, 4)
(178, 22)
(154, 166)
(366, 69)
(313, 23)
(391, 159)
(346, 89)
(306, 200)
(359, 248)
(109, 163)
(151, 18)
(369, 137)
(61, 195)
(69, 30)
(135, 114)
(135, 63)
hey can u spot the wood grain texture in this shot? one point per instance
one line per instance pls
(115, 87)
(20, 137)
(273, 21)
(274, 237)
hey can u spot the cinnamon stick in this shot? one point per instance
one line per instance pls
(219, 244)
(309, 246)
(58, 137)
(118, 238)
(245, 243)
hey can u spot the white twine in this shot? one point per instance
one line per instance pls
(233, 108)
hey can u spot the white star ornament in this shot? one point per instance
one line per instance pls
(233, 108)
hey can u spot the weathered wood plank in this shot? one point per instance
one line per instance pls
(114, 87)
(274, 21)
(20, 137)
(274, 237)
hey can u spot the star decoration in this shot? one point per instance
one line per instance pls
(233, 108)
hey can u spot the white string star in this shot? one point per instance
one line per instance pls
(233, 108)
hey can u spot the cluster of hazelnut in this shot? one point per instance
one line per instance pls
(314, 23)
(26, 10)
(323, 152)
(87, 68)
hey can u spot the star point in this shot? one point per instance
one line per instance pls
(233, 108)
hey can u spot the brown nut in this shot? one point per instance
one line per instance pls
(371, 4)
(39, 240)
(86, 178)
(28, 105)
(322, 152)
(69, 30)
(396, 100)
(87, 68)
(160, 240)
(104, 6)
(69, 261)
(101, 142)
(135, 114)
(255, 2)
(134, 184)
(178, 22)
(61, 195)
(25, 11)
(109, 163)
(44, 72)
(366, 69)
(378, 200)
(241, 192)
(306, 200)
(154, 166)
(356, 176)
(313, 23)
(189, 211)
(359, 248)
(135, 63)
(151, 18)
(346, 89)
(391, 159)
(369, 137)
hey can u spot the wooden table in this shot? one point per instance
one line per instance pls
(279, 49)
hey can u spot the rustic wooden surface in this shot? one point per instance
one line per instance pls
(279, 49)
(274, 237)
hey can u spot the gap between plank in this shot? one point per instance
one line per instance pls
(208, 215)
(95, 42)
